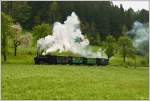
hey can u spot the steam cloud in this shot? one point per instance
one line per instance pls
(67, 37)
(140, 35)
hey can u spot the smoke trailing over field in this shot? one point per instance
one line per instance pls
(140, 36)
(67, 37)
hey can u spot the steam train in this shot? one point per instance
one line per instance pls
(51, 59)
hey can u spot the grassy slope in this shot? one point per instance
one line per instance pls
(21, 79)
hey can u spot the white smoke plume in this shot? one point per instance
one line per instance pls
(67, 37)
(140, 36)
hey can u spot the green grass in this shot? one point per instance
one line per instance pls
(21, 79)
(118, 61)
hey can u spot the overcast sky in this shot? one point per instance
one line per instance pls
(135, 5)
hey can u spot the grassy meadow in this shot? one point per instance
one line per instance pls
(22, 79)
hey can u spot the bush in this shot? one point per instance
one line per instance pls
(40, 31)
(143, 62)
(30, 53)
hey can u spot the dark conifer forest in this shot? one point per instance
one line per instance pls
(98, 19)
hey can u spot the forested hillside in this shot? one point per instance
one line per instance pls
(98, 19)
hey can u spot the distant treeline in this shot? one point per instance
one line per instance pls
(98, 18)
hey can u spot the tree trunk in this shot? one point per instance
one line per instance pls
(5, 58)
(15, 51)
(124, 59)
(135, 62)
(4, 45)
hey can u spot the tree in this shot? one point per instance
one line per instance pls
(6, 23)
(129, 18)
(26, 39)
(110, 46)
(84, 26)
(143, 16)
(40, 31)
(54, 12)
(133, 55)
(19, 11)
(93, 34)
(98, 39)
(125, 47)
(16, 31)
(124, 30)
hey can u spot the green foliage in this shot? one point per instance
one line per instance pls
(135, 61)
(142, 16)
(6, 23)
(129, 18)
(26, 40)
(110, 46)
(16, 31)
(40, 31)
(97, 17)
(19, 11)
(5, 30)
(125, 46)
(124, 30)
(54, 12)
(144, 48)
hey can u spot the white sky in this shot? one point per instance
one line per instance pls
(135, 5)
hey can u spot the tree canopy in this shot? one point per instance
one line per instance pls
(110, 46)
(6, 28)
(40, 31)
(125, 47)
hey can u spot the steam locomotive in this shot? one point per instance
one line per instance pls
(51, 59)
